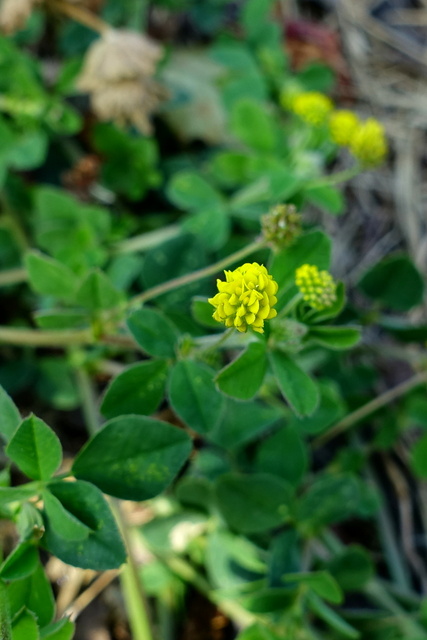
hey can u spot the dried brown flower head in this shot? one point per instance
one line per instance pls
(15, 13)
(117, 74)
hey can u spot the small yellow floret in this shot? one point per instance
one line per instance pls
(342, 125)
(312, 107)
(246, 298)
(317, 287)
(369, 144)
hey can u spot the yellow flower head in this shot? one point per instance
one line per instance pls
(312, 107)
(369, 144)
(246, 298)
(317, 287)
(342, 125)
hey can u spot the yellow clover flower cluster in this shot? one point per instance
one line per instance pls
(246, 298)
(369, 144)
(311, 106)
(342, 126)
(317, 287)
(366, 140)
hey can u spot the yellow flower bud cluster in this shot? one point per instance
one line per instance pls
(246, 298)
(342, 126)
(312, 107)
(317, 287)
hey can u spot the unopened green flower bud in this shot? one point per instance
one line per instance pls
(281, 226)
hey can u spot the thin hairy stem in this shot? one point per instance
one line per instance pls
(370, 407)
(200, 274)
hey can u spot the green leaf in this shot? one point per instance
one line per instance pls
(154, 333)
(332, 311)
(231, 559)
(193, 396)
(62, 522)
(129, 161)
(404, 330)
(35, 449)
(331, 408)
(333, 337)
(211, 226)
(298, 389)
(98, 293)
(189, 191)
(17, 494)
(333, 499)
(29, 150)
(332, 618)
(50, 277)
(9, 415)
(253, 125)
(241, 422)
(139, 389)
(258, 632)
(35, 593)
(311, 248)
(20, 563)
(269, 600)
(321, 582)
(255, 503)
(56, 383)
(61, 319)
(133, 457)
(316, 76)
(327, 198)
(29, 522)
(283, 454)
(202, 312)
(103, 548)
(419, 457)
(25, 627)
(61, 630)
(255, 17)
(395, 282)
(243, 377)
(171, 259)
(230, 168)
(352, 568)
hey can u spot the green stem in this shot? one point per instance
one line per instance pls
(187, 573)
(291, 305)
(133, 591)
(39, 338)
(376, 591)
(12, 276)
(5, 620)
(188, 278)
(370, 407)
(147, 240)
(88, 398)
(134, 596)
(336, 178)
(409, 627)
(398, 570)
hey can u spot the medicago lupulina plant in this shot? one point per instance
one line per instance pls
(208, 348)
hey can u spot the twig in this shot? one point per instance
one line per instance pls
(12, 276)
(80, 14)
(89, 595)
(40, 338)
